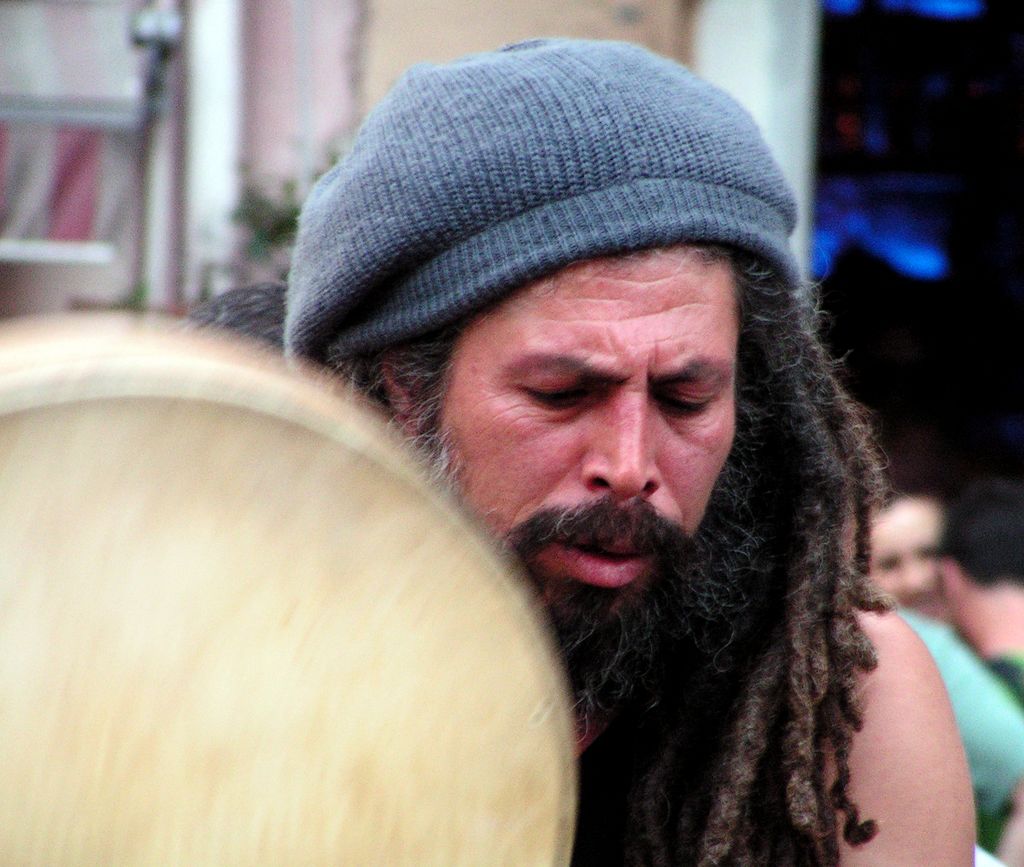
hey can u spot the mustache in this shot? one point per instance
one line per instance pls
(612, 641)
(633, 525)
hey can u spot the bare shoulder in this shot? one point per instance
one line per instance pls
(908, 770)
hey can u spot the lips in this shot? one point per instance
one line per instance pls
(609, 565)
(611, 549)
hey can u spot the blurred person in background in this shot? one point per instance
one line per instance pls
(906, 539)
(905, 554)
(983, 570)
(982, 567)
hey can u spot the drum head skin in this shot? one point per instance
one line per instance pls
(238, 628)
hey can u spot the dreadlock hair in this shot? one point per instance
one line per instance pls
(729, 763)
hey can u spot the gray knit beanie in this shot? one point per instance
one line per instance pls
(473, 178)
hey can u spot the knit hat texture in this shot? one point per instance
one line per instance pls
(472, 178)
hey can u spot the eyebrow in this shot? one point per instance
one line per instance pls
(697, 370)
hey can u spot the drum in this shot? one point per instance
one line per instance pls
(237, 627)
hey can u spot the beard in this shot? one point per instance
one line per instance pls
(613, 640)
(692, 615)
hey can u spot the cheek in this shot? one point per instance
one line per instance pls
(509, 462)
(695, 464)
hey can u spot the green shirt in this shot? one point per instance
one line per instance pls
(991, 723)
(1009, 667)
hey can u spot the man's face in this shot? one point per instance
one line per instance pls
(904, 554)
(611, 383)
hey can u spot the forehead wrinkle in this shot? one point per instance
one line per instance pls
(697, 370)
(669, 346)
(694, 370)
(565, 363)
(673, 334)
(655, 338)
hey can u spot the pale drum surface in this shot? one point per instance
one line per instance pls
(237, 628)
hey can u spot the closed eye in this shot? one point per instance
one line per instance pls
(563, 398)
(678, 406)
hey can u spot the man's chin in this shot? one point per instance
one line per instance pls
(610, 644)
(583, 608)
(583, 603)
(608, 574)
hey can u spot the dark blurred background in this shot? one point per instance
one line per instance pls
(919, 225)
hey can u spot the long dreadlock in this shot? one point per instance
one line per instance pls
(803, 465)
(787, 530)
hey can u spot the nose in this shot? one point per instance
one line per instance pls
(620, 457)
(921, 576)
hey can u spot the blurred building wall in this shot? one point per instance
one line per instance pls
(301, 63)
(70, 106)
(271, 90)
(400, 33)
(766, 53)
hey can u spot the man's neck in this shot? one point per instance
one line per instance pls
(994, 623)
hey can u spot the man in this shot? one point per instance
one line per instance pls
(983, 569)
(562, 268)
(905, 543)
